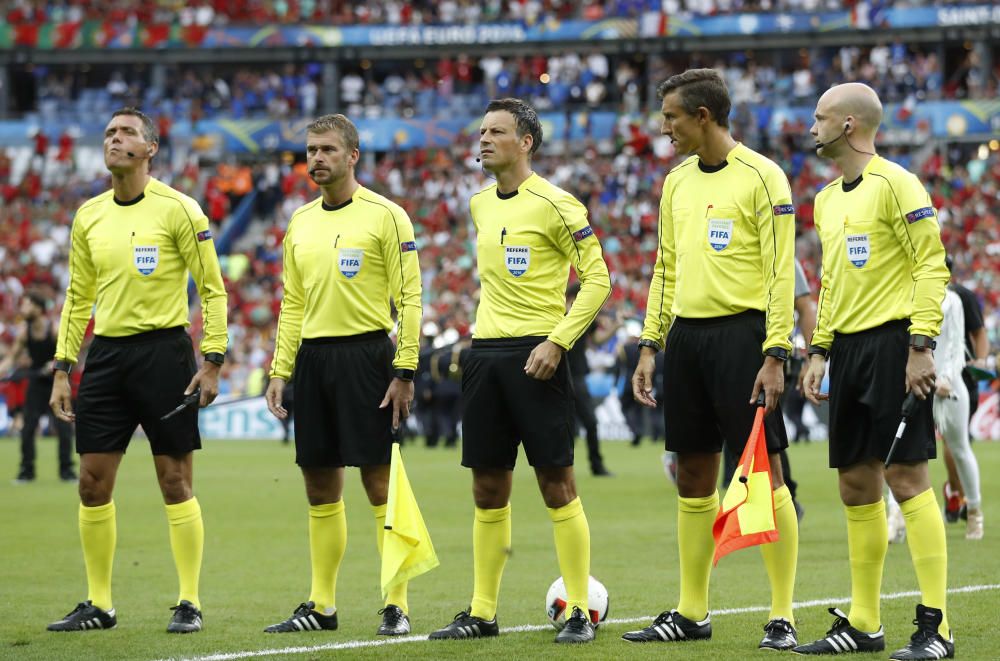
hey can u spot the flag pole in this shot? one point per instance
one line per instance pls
(909, 408)
(757, 422)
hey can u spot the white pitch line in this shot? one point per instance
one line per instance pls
(355, 644)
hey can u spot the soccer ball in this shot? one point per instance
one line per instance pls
(555, 603)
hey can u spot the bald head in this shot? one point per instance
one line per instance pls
(855, 100)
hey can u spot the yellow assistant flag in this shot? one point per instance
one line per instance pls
(746, 515)
(407, 550)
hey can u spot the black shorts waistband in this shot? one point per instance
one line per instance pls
(346, 339)
(142, 338)
(893, 326)
(507, 342)
(719, 321)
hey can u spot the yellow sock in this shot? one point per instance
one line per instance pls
(867, 543)
(781, 557)
(98, 534)
(187, 541)
(490, 548)
(397, 595)
(327, 542)
(929, 551)
(572, 533)
(696, 546)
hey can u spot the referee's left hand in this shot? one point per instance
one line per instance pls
(920, 373)
(543, 361)
(400, 393)
(770, 379)
(208, 378)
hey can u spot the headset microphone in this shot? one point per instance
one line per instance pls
(130, 154)
(820, 145)
(478, 160)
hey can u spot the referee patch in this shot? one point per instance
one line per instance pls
(407, 246)
(204, 235)
(583, 233)
(914, 216)
(784, 209)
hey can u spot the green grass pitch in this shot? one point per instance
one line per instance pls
(256, 567)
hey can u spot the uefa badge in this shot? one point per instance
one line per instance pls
(145, 258)
(349, 261)
(518, 259)
(858, 249)
(720, 233)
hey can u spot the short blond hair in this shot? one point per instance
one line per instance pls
(339, 123)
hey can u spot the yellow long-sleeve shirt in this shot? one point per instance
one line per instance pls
(526, 242)
(726, 245)
(132, 259)
(882, 254)
(341, 267)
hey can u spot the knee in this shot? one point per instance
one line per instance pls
(489, 495)
(558, 494)
(376, 486)
(317, 496)
(94, 491)
(695, 481)
(175, 488)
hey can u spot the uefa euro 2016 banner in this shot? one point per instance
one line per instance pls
(101, 34)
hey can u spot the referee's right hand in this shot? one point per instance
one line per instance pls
(642, 380)
(273, 396)
(813, 380)
(61, 400)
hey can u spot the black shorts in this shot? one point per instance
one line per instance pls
(502, 406)
(709, 368)
(134, 380)
(339, 384)
(867, 388)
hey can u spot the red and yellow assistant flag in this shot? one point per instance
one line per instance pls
(746, 515)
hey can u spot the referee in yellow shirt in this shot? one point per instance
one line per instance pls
(131, 251)
(346, 254)
(516, 387)
(720, 306)
(884, 278)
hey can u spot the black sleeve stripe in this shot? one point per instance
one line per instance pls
(659, 247)
(402, 276)
(70, 294)
(579, 260)
(663, 267)
(488, 188)
(578, 256)
(194, 231)
(902, 216)
(774, 229)
(277, 333)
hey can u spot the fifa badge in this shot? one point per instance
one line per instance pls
(858, 249)
(720, 233)
(349, 261)
(518, 259)
(145, 258)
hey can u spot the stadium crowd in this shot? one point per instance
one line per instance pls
(407, 12)
(621, 191)
(457, 86)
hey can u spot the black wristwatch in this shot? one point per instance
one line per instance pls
(777, 352)
(818, 351)
(215, 358)
(404, 375)
(62, 366)
(922, 343)
(652, 344)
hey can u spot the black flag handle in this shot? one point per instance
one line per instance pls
(910, 405)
